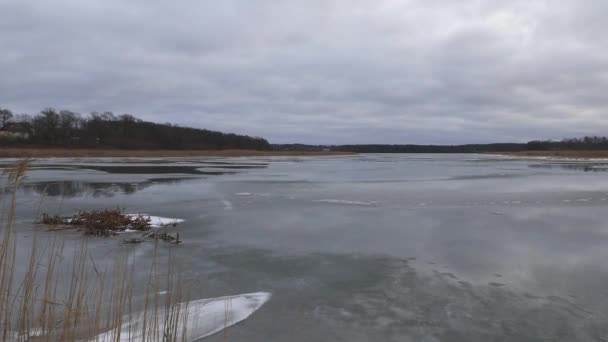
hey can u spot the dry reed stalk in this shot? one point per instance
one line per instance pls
(8, 248)
(45, 306)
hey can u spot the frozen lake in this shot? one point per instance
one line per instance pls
(366, 247)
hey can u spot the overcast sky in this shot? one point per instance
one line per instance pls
(311, 71)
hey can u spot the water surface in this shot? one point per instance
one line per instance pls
(367, 247)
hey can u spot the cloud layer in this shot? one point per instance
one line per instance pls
(343, 71)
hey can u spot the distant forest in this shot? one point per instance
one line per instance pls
(64, 128)
(53, 128)
(576, 144)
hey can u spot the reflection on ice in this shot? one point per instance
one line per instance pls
(71, 188)
(573, 166)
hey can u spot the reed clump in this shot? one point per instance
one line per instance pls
(103, 222)
(165, 237)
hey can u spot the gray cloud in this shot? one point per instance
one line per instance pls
(317, 71)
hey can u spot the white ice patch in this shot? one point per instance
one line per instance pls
(347, 202)
(127, 231)
(204, 317)
(227, 205)
(158, 221)
(243, 194)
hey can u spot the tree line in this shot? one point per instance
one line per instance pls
(389, 148)
(585, 143)
(588, 143)
(64, 128)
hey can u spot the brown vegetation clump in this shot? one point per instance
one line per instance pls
(103, 222)
(53, 220)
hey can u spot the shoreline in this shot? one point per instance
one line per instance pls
(13, 152)
(16, 152)
(565, 154)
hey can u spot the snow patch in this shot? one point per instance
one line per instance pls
(205, 317)
(347, 202)
(243, 194)
(227, 205)
(127, 231)
(158, 221)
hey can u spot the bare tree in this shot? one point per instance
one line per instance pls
(5, 117)
(69, 123)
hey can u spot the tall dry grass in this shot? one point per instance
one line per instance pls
(55, 296)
